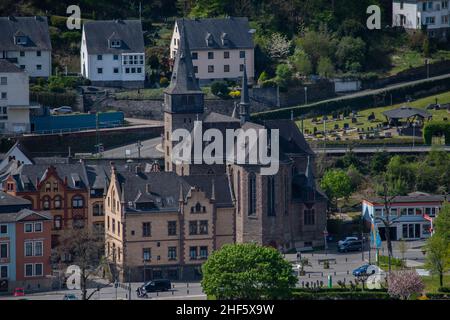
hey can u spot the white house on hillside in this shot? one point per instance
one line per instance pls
(14, 99)
(25, 41)
(219, 47)
(112, 53)
(418, 14)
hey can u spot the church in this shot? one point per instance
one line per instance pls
(163, 223)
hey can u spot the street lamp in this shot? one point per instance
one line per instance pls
(306, 95)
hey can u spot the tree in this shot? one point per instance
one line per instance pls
(336, 184)
(325, 67)
(301, 63)
(438, 256)
(317, 45)
(263, 77)
(278, 46)
(356, 178)
(426, 48)
(442, 223)
(403, 248)
(379, 162)
(404, 283)
(283, 75)
(247, 271)
(350, 52)
(85, 248)
(220, 88)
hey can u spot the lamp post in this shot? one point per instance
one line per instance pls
(306, 95)
(414, 134)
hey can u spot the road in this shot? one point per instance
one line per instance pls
(375, 149)
(148, 150)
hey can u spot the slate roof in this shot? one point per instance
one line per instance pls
(17, 216)
(164, 189)
(411, 198)
(235, 29)
(219, 117)
(9, 200)
(99, 32)
(183, 79)
(35, 28)
(8, 67)
(98, 176)
(406, 112)
(291, 139)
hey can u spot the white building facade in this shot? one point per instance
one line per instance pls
(220, 48)
(417, 14)
(14, 99)
(25, 41)
(112, 53)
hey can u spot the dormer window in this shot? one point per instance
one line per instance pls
(115, 43)
(209, 40)
(225, 39)
(21, 40)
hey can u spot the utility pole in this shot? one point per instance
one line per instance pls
(139, 145)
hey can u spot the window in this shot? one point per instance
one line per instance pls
(99, 70)
(270, 197)
(28, 270)
(226, 68)
(116, 70)
(241, 68)
(77, 202)
(3, 229)
(39, 67)
(172, 228)
(210, 69)
(309, 217)
(203, 252)
(38, 248)
(3, 272)
(57, 202)
(115, 43)
(402, 3)
(116, 57)
(28, 227)
(251, 194)
(430, 20)
(195, 69)
(22, 66)
(193, 228)
(57, 222)
(4, 95)
(3, 81)
(97, 210)
(147, 254)
(22, 53)
(127, 70)
(193, 253)
(172, 253)
(210, 55)
(242, 54)
(226, 54)
(99, 57)
(139, 70)
(204, 227)
(55, 186)
(194, 55)
(3, 250)
(444, 4)
(146, 229)
(133, 70)
(38, 227)
(114, 225)
(28, 249)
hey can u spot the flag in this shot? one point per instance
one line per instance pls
(427, 217)
(375, 239)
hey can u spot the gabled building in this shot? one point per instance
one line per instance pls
(112, 53)
(14, 99)
(220, 47)
(25, 245)
(433, 16)
(25, 41)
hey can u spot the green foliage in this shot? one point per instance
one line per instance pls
(435, 128)
(402, 172)
(247, 271)
(336, 184)
(438, 256)
(442, 223)
(163, 82)
(301, 63)
(426, 47)
(350, 54)
(317, 45)
(220, 88)
(379, 162)
(263, 77)
(54, 100)
(356, 178)
(345, 295)
(384, 260)
(325, 67)
(283, 75)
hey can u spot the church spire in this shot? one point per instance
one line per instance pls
(309, 174)
(244, 105)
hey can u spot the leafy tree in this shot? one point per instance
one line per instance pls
(301, 63)
(356, 178)
(400, 168)
(278, 46)
(426, 48)
(351, 28)
(283, 75)
(247, 271)
(220, 88)
(350, 52)
(442, 223)
(336, 184)
(263, 77)
(427, 179)
(317, 45)
(438, 256)
(378, 162)
(325, 67)
(403, 284)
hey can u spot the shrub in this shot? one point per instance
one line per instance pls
(269, 84)
(434, 128)
(263, 77)
(163, 82)
(340, 295)
(438, 296)
(220, 89)
(444, 289)
(235, 94)
(403, 284)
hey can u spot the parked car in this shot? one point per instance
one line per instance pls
(362, 271)
(156, 285)
(19, 292)
(352, 245)
(70, 296)
(347, 239)
(62, 110)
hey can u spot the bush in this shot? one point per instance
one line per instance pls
(269, 84)
(341, 295)
(444, 289)
(220, 89)
(434, 128)
(163, 82)
(394, 261)
(235, 94)
(438, 296)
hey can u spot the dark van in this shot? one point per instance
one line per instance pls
(157, 285)
(354, 245)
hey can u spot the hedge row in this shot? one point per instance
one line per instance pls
(53, 100)
(434, 128)
(399, 94)
(334, 289)
(438, 296)
(348, 295)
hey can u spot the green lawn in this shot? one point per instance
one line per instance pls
(432, 282)
(405, 59)
(363, 123)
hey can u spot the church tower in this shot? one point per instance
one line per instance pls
(183, 98)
